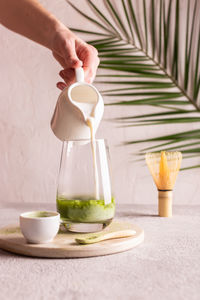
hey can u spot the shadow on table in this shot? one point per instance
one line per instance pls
(4, 253)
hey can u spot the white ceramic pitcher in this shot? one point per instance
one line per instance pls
(75, 104)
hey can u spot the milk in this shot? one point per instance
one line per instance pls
(90, 123)
(86, 100)
(77, 115)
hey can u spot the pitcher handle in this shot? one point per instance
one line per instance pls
(79, 72)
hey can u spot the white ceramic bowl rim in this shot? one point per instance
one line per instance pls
(50, 214)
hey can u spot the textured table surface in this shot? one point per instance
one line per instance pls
(165, 266)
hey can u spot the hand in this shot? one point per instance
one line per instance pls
(72, 52)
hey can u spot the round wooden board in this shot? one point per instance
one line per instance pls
(64, 245)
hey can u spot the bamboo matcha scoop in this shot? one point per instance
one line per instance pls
(114, 233)
(164, 168)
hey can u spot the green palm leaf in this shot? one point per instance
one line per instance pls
(142, 56)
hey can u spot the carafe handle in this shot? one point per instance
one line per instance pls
(79, 72)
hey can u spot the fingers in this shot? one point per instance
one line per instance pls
(61, 85)
(69, 60)
(69, 54)
(90, 64)
(59, 58)
(68, 75)
(75, 53)
(89, 56)
(65, 53)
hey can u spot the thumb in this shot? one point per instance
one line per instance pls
(70, 56)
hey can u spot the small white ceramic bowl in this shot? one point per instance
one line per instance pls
(39, 227)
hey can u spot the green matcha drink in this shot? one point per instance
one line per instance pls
(85, 210)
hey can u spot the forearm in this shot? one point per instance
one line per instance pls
(30, 19)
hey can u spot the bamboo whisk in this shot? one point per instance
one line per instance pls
(164, 168)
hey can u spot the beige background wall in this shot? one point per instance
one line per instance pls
(29, 152)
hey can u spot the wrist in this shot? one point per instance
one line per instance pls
(58, 31)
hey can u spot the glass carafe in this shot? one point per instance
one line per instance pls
(84, 197)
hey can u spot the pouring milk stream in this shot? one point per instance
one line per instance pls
(77, 115)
